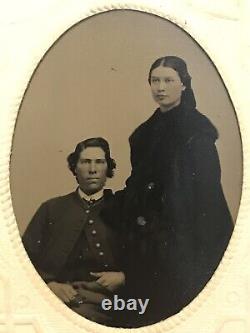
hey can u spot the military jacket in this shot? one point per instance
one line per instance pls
(68, 238)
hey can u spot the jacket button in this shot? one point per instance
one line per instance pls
(101, 253)
(151, 186)
(38, 241)
(93, 232)
(91, 221)
(87, 211)
(98, 245)
(141, 221)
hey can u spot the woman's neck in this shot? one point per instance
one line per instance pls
(165, 108)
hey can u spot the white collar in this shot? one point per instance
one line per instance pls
(95, 196)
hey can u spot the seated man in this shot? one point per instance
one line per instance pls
(73, 241)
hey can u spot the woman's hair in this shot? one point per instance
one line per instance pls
(180, 67)
(73, 158)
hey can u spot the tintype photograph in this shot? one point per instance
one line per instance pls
(126, 169)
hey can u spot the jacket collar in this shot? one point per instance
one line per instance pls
(93, 197)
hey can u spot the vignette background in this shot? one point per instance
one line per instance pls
(93, 82)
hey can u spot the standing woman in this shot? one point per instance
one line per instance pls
(177, 218)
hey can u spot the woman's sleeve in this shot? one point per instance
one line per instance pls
(213, 222)
(206, 161)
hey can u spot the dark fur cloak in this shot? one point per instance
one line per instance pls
(174, 211)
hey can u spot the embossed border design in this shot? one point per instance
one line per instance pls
(15, 246)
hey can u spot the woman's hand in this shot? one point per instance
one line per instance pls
(64, 291)
(110, 280)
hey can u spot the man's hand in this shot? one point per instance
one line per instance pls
(64, 291)
(88, 285)
(110, 280)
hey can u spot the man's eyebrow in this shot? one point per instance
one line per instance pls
(92, 159)
(100, 159)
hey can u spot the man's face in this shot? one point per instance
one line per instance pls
(91, 170)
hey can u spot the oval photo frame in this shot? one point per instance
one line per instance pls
(205, 292)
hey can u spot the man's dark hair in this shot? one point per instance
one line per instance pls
(92, 142)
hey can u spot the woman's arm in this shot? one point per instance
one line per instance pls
(213, 222)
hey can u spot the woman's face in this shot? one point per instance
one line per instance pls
(166, 87)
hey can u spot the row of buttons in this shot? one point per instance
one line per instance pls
(93, 232)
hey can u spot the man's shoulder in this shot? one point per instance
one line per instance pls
(114, 196)
(52, 202)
